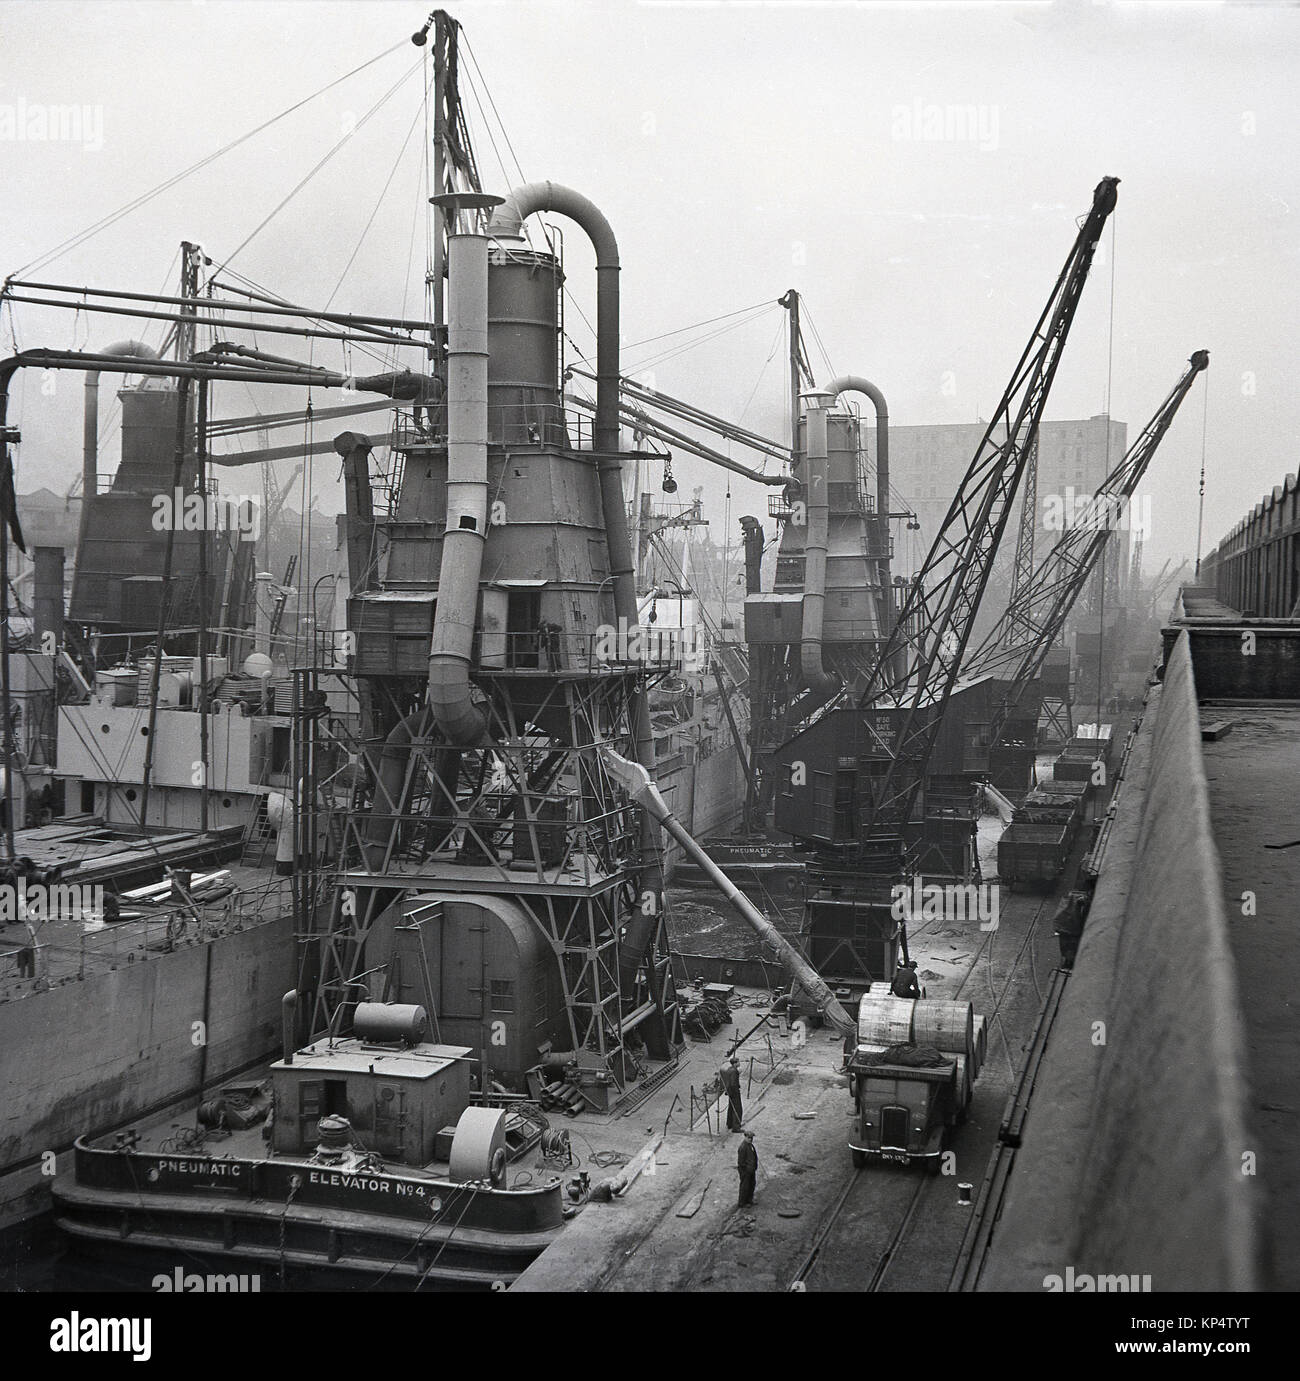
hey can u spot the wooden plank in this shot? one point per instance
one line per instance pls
(692, 1205)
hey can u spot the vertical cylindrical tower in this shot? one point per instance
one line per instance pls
(814, 595)
(523, 343)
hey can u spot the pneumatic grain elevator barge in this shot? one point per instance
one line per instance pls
(483, 853)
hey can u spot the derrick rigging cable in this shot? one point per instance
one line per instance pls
(379, 201)
(816, 335)
(663, 357)
(695, 326)
(80, 238)
(293, 192)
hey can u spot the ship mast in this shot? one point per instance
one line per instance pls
(454, 166)
(185, 336)
(8, 521)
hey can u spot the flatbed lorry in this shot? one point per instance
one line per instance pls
(911, 1077)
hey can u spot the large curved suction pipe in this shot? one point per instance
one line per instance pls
(467, 497)
(507, 224)
(753, 537)
(389, 768)
(854, 383)
(816, 406)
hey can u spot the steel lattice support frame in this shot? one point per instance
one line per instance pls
(444, 830)
(1023, 572)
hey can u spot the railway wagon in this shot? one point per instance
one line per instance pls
(1034, 853)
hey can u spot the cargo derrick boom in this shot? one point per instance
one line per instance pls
(942, 603)
(853, 777)
(1028, 629)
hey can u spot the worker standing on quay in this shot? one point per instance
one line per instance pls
(905, 982)
(731, 1087)
(1068, 923)
(747, 1166)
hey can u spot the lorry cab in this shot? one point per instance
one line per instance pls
(902, 1113)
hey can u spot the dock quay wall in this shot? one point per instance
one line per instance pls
(1132, 1156)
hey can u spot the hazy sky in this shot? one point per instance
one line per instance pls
(915, 170)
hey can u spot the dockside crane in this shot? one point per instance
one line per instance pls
(1030, 626)
(935, 623)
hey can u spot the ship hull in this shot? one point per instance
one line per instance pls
(304, 1216)
(136, 1054)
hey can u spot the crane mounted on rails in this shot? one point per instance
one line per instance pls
(935, 623)
(1029, 627)
(854, 774)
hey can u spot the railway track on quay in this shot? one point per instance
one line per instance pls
(894, 1201)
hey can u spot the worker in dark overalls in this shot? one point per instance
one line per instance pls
(1068, 924)
(747, 1167)
(731, 1087)
(905, 982)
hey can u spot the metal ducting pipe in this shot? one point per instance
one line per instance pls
(636, 780)
(289, 1024)
(507, 224)
(359, 511)
(467, 497)
(816, 406)
(47, 595)
(854, 383)
(390, 789)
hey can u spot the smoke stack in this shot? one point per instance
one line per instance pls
(48, 600)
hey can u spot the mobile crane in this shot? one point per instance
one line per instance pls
(850, 781)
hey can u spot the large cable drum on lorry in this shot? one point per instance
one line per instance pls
(885, 1020)
(948, 1026)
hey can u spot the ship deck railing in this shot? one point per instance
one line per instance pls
(70, 948)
